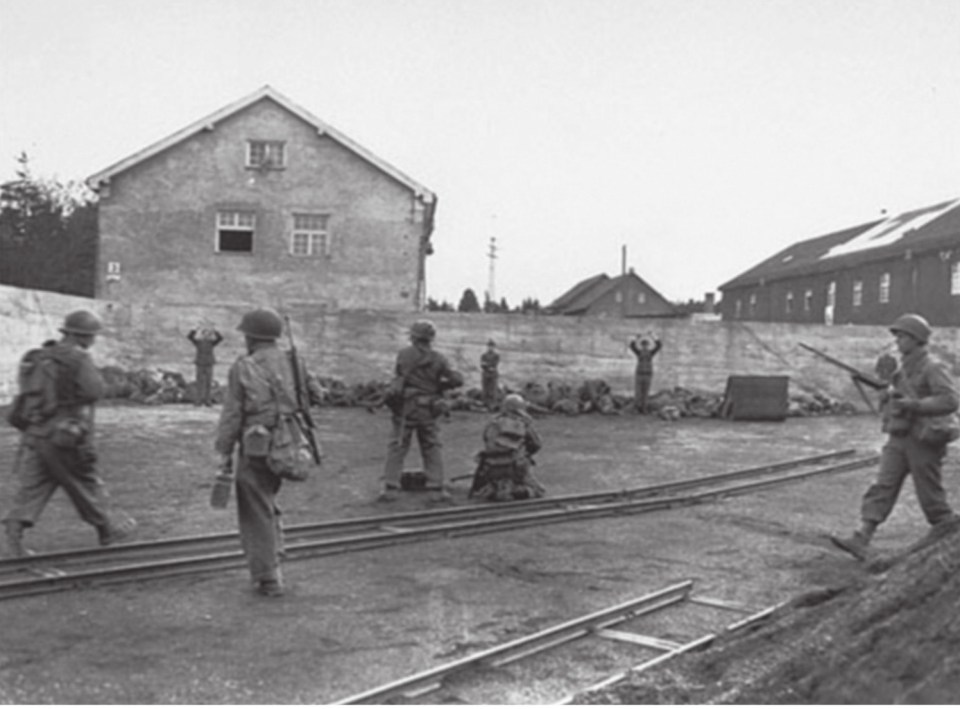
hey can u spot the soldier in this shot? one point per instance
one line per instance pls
(643, 375)
(922, 388)
(205, 340)
(57, 446)
(251, 409)
(489, 374)
(416, 401)
(509, 443)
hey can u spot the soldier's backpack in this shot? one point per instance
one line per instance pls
(36, 399)
(509, 435)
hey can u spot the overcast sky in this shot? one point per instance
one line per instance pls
(703, 135)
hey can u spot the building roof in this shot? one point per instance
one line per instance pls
(269, 93)
(576, 293)
(917, 230)
(582, 296)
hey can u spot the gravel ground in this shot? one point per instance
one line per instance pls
(353, 622)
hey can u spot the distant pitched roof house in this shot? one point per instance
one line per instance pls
(864, 274)
(261, 201)
(625, 296)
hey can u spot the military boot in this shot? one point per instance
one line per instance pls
(14, 535)
(856, 544)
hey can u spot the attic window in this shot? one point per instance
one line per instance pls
(235, 231)
(266, 154)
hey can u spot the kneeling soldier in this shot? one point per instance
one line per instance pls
(509, 443)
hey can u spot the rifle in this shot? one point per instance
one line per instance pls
(859, 378)
(302, 414)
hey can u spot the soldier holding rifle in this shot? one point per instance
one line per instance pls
(261, 387)
(919, 418)
(416, 402)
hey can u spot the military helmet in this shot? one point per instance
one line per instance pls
(81, 322)
(914, 325)
(423, 330)
(261, 324)
(514, 402)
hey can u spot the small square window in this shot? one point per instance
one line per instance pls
(266, 154)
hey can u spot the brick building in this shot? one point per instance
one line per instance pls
(262, 202)
(868, 274)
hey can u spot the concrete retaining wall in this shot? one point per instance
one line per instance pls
(361, 345)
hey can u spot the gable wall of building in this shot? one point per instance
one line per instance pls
(628, 303)
(159, 222)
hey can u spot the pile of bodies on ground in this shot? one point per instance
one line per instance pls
(156, 386)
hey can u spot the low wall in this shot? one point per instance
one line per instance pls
(361, 345)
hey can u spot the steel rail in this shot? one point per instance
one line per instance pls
(499, 655)
(697, 644)
(430, 526)
(214, 542)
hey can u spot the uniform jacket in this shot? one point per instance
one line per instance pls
(645, 357)
(249, 398)
(205, 347)
(926, 379)
(79, 385)
(426, 371)
(489, 361)
(531, 439)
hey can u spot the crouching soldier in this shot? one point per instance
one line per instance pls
(509, 443)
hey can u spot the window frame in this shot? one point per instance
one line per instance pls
(883, 289)
(857, 294)
(239, 225)
(266, 161)
(320, 234)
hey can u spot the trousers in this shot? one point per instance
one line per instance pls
(641, 391)
(204, 384)
(42, 468)
(900, 457)
(430, 451)
(259, 518)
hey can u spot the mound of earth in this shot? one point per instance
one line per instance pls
(892, 637)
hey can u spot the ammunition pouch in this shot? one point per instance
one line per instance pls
(69, 432)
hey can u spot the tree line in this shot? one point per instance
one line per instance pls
(48, 233)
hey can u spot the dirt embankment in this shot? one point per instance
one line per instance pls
(890, 638)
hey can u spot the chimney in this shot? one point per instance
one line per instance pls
(623, 260)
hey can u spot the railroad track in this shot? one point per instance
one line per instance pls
(600, 625)
(142, 561)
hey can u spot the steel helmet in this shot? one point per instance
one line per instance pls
(81, 322)
(914, 325)
(261, 324)
(514, 402)
(422, 330)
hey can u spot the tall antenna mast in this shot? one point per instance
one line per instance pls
(491, 284)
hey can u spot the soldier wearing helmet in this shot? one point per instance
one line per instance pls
(260, 386)
(509, 442)
(58, 445)
(919, 418)
(422, 375)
